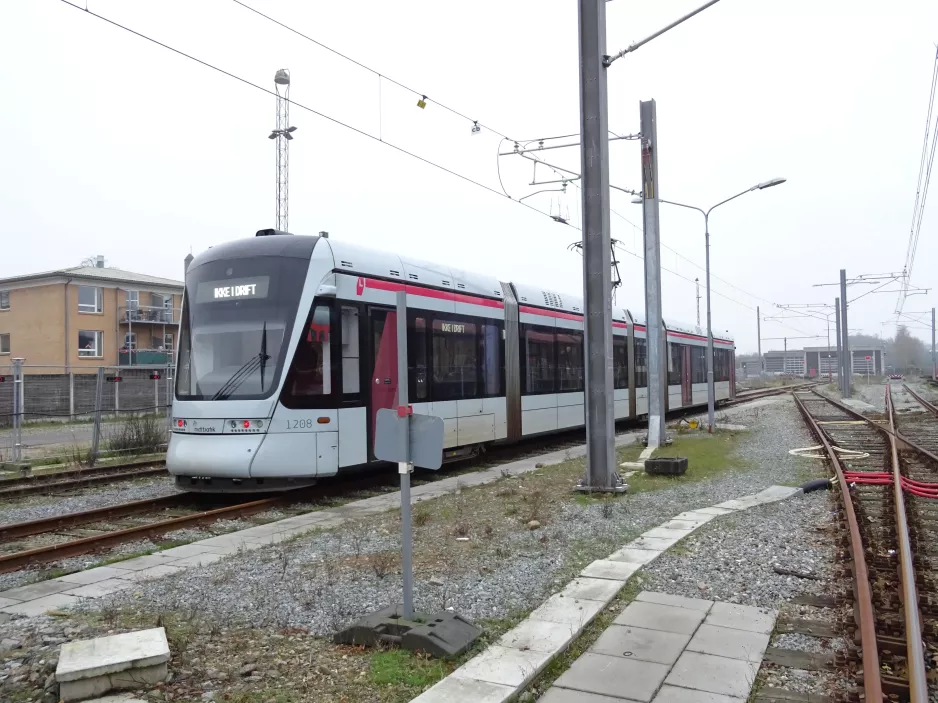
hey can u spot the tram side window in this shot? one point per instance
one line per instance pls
(310, 376)
(491, 353)
(641, 363)
(569, 361)
(675, 363)
(698, 364)
(417, 358)
(539, 354)
(721, 365)
(351, 383)
(620, 361)
(455, 360)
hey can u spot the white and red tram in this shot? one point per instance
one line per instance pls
(288, 348)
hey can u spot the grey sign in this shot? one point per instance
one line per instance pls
(233, 289)
(424, 445)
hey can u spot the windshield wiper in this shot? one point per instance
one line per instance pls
(256, 362)
(264, 356)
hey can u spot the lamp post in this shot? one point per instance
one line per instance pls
(711, 396)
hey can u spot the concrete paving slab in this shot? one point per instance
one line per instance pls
(198, 560)
(5, 602)
(680, 524)
(634, 556)
(673, 694)
(152, 572)
(705, 672)
(144, 562)
(84, 659)
(39, 606)
(100, 573)
(36, 590)
(613, 676)
(677, 601)
(743, 503)
(666, 618)
(539, 636)
(117, 698)
(741, 617)
(453, 690)
(714, 510)
(657, 543)
(600, 589)
(565, 695)
(697, 517)
(100, 588)
(776, 493)
(504, 665)
(641, 644)
(667, 533)
(615, 570)
(570, 611)
(726, 642)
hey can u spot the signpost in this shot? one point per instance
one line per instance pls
(868, 358)
(409, 440)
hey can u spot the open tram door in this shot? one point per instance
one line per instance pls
(687, 392)
(382, 347)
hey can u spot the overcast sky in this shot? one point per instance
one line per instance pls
(112, 145)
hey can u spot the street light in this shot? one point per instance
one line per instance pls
(711, 396)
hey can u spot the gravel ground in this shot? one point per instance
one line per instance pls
(298, 584)
(37, 507)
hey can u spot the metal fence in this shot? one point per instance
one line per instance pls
(55, 415)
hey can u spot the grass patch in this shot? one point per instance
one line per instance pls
(400, 668)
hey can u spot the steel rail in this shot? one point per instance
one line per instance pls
(18, 530)
(872, 683)
(915, 653)
(79, 473)
(924, 403)
(11, 562)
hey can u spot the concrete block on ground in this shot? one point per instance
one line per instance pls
(504, 665)
(641, 644)
(614, 570)
(705, 672)
(714, 510)
(656, 543)
(6, 602)
(40, 606)
(776, 493)
(198, 560)
(741, 617)
(570, 611)
(130, 660)
(33, 591)
(152, 573)
(697, 517)
(667, 533)
(613, 676)
(673, 694)
(600, 589)
(743, 503)
(634, 556)
(453, 690)
(117, 698)
(726, 642)
(100, 573)
(566, 695)
(144, 562)
(666, 618)
(539, 636)
(677, 601)
(99, 588)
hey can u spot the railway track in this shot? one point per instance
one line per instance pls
(888, 484)
(80, 478)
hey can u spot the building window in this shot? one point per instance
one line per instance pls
(538, 356)
(641, 363)
(569, 361)
(133, 299)
(168, 342)
(5, 343)
(455, 360)
(4, 300)
(90, 299)
(620, 362)
(90, 343)
(130, 340)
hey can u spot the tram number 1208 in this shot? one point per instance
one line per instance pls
(301, 424)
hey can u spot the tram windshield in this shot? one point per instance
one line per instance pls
(236, 323)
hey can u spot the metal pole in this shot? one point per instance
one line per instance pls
(96, 434)
(829, 376)
(844, 329)
(711, 392)
(759, 335)
(597, 256)
(18, 402)
(933, 367)
(697, 283)
(405, 468)
(652, 240)
(840, 353)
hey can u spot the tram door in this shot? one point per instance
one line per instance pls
(383, 348)
(687, 393)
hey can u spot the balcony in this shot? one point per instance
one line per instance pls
(149, 314)
(145, 357)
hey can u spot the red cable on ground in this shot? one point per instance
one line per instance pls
(921, 489)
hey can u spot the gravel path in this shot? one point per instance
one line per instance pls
(37, 507)
(298, 584)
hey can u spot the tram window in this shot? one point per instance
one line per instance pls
(351, 382)
(311, 371)
(539, 359)
(698, 364)
(721, 365)
(641, 363)
(417, 358)
(455, 360)
(675, 363)
(569, 361)
(491, 353)
(620, 361)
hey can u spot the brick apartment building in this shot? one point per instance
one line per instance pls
(76, 319)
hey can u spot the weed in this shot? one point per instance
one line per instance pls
(607, 508)
(357, 532)
(138, 434)
(505, 472)
(536, 501)
(461, 529)
(488, 530)
(382, 563)
(511, 510)
(421, 517)
(395, 667)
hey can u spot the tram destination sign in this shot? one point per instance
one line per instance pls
(234, 289)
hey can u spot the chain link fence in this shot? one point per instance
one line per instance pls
(54, 415)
